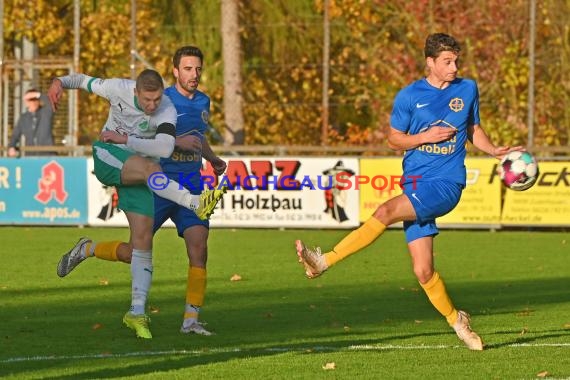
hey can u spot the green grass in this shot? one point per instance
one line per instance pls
(368, 315)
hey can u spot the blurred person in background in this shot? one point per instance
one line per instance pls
(35, 126)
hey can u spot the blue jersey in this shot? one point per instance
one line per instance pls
(193, 115)
(420, 106)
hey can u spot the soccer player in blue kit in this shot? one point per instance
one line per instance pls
(193, 110)
(432, 119)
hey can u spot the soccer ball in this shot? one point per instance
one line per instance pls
(518, 170)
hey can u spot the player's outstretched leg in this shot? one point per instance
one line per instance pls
(72, 258)
(208, 201)
(139, 323)
(463, 330)
(312, 259)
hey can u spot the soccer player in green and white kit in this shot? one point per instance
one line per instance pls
(193, 108)
(139, 129)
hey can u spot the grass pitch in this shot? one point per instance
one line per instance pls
(366, 318)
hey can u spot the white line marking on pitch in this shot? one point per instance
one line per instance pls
(271, 349)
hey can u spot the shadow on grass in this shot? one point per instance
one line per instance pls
(173, 360)
(162, 363)
(537, 336)
(261, 322)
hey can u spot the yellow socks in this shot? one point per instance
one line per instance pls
(435, 290)
(195, 291)
(105, 250)
(355, 241)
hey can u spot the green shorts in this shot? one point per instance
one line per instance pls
(108, 161)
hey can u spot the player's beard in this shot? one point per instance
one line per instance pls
(191, 85)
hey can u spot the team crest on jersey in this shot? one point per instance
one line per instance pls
(456, 104)
(144, 125)
(205, 116)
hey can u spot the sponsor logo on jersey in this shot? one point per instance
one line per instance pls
(143, 126)
(456, 104)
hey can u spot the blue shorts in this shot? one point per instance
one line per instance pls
(181, 216)
(430, 201)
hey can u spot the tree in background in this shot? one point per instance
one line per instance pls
(375, 50)
(37, 21)
(552, 113)
(105, 51)
(231, 54)
(105, 43)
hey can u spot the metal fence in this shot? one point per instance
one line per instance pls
(542, 153)
(20, 75)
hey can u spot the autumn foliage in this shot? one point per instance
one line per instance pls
(375, 49)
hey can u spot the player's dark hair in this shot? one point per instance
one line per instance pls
(186, 51)
(439, 42)
(149, 80)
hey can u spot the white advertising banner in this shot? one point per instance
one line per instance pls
(287, 192)
(264, 192)
(102, 203)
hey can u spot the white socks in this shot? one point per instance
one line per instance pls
(141, 274)
(192, 310)
(179, 195)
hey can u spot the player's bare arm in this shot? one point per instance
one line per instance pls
(399, 140)
(190, 143)
(479, 138)
(218, 164)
